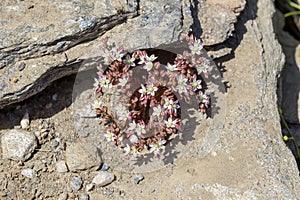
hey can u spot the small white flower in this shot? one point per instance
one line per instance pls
(182, 80)
(196, 84)
(196, 47)
(156, 148)
(151, 58)
(203, 67)
(123, 81)
(151, 89)
(102, 81)
(142, 60)
(181, 89)
(140, 129)
(157, 110)
(171, 67)
(161, 142)
(97, 104)
(168, 103)
(129, 61)
(175, 106)
(120, 108)
(123, 116)
(203, 98)
(109, 136)
(132, 126)
(148, 66)
(127, 149)
(134, 152)
(117, 54)
(143, 90)
(170, 123)
(107, 57)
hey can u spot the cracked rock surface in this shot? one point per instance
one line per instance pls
(44, 41)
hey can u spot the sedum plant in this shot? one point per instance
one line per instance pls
(148, 115)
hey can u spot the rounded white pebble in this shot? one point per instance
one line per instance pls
(61, 166)
(25, 121)
(27, 172)
(103, 178)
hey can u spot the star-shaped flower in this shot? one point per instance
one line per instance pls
(143, 90)
(102, 81)
(123, 81)
(157, 147)
(196, 47)
(170, 123)
(117, 54)
(182, 80)
(151, 89)
(157, 110)
(181, 88)
(151, 58)
(196, 84)
(109, 136)
(132, 126)
(140, 129)
(171, 67)
(129, 61)
(148, 66)
(97, 104)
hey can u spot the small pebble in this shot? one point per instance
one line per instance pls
(55, 143)
(37, 133)
(110, 191)
(48, 105)
(104, 167)
(27, 172)
(83, 197)
(61, 166)
(63, 196)
(55, 97)
(21, 66)
(25, 121)
(89, 187)
(103, 178)
(76, 183)
(138, 179)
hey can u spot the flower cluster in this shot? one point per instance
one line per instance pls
(139, 136)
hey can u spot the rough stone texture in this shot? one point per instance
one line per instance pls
(249, 161)
(17, 145)
(34, 51)
(82, 156)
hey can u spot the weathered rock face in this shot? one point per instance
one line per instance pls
(41, 42)
(249, 161)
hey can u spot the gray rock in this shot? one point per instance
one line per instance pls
(28, 172)
(84, 197)
(76, 183)
(138, 179)
(63, 196)
(25, 121)
(103, 178)
(61, 166)
(82, 156)
(55, 50)
(89, 187)
(104, 167)
(17, 144)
